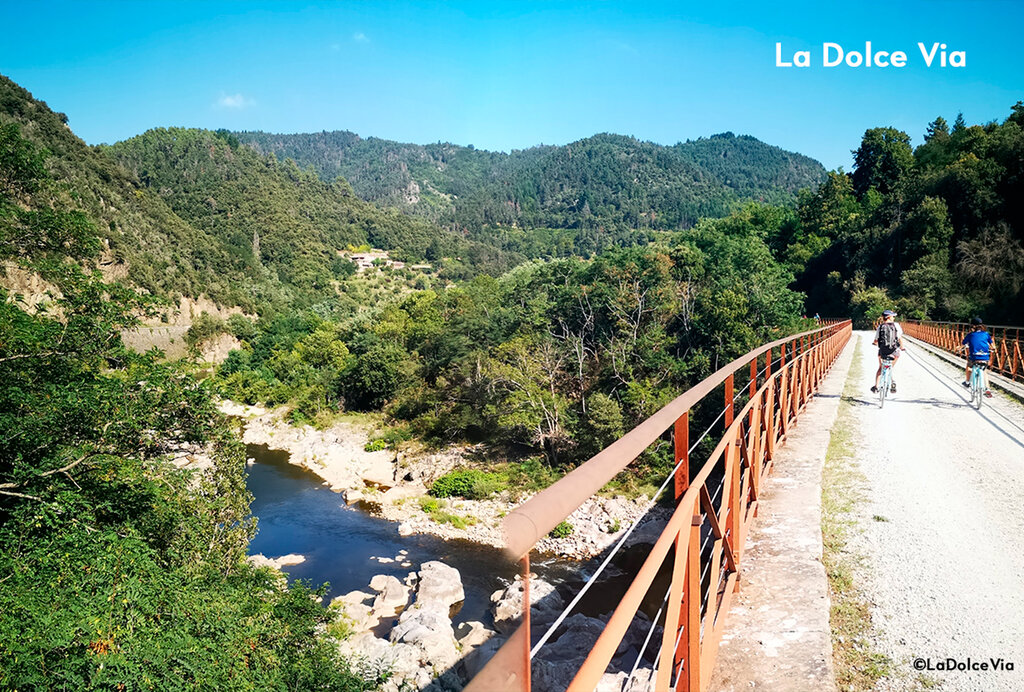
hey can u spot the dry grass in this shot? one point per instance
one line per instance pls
(858, 666)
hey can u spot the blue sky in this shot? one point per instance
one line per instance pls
(510, 76)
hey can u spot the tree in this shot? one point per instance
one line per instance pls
(883, 160)
(927, 235)
(937, 129)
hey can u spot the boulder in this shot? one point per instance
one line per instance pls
(474, 661)
(448, 681)
(354, 608)
(372, 658)
(545, 605)
(576, 637)
(260, 560)
(431, 632)
(392, 595)
(472, 634)
(378, 473)
(439, 587)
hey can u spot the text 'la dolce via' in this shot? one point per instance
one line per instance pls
(834, 55)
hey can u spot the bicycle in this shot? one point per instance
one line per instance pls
(977, 383)
(885, 381)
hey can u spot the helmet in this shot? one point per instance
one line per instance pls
(976, 321)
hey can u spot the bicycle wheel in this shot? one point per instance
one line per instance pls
(977, 388)
(884, 389)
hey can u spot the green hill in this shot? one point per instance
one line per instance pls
(190, 212)
(143, 236)
(604, 188)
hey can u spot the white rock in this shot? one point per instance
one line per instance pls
(545, 604)
(260, 560)
(440, 586)
(391, 594)
(472, 634)
(431, 632)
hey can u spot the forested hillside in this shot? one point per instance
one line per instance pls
(281, 222)
(160, 252)
(190, 212)
(121, 569)
(580, 198)
(937, 231)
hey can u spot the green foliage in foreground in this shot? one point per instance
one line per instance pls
(118, 569)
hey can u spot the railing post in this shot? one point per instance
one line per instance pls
(681, 440)
(734, 522)
(673, 652)
(526, 668)
(692, 600)
(783, 392)
(729, 401)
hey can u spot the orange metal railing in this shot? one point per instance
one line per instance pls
(704, 538)
(1006, 355)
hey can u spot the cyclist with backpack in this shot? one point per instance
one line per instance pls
(889, 339)
(978, 344)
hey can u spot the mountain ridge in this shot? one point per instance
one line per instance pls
(610, 180)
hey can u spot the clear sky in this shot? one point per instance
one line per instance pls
(510, 76)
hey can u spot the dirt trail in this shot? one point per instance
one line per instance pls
(941, 526)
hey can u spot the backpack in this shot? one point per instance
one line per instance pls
(887, 336)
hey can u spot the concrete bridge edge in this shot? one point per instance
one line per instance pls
(777, 636)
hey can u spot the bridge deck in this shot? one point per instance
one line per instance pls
(938, 534)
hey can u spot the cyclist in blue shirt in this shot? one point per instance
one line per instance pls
(978, 344)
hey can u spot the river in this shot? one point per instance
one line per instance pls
(344, 545)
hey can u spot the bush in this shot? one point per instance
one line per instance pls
(430, 504)
(531, 474)
(866, 305)
(242, 327)
(468, 483)
(563, 530)
(204, 327)
(395, 435)
(375, 445)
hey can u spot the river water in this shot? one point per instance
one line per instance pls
(343, 545)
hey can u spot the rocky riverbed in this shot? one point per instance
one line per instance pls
(393, 482)
(404, 628)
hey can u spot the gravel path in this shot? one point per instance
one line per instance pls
(941, 525)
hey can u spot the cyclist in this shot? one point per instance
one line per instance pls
(978, 344)
(889, 339)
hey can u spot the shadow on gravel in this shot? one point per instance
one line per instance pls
(857, 401)
(933, 402)
(983, 412)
